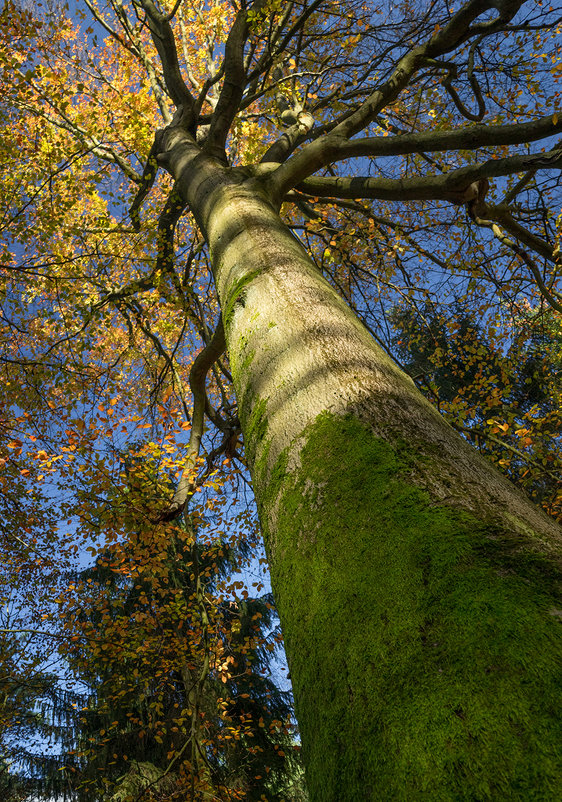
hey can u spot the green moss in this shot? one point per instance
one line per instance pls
(244, 365)
(423, 650)
(236, 295)
(255, 426)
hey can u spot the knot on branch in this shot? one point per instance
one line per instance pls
(470, 196)
(476, 202)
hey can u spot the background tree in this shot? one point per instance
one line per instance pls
(179, 703)
(35, 707)
(416, 587)
(472, 378)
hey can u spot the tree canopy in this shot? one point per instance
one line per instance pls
(412, 149)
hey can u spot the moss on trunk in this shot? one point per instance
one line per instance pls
(424, 645)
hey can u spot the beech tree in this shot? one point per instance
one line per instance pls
(310, 153)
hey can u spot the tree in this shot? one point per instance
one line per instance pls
(416, 586)
(442, 351)
(179, 702)
(34, 707)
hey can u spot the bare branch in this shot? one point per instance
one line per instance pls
(165, 43)
(197, 378)
(454, 186)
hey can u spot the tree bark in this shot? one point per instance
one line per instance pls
(416, 586)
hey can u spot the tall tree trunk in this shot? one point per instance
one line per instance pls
(416, 586)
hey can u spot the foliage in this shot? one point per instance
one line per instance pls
(410, 147)
(176, 681)
(504, 396)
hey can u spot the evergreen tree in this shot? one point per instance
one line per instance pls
(180, 701)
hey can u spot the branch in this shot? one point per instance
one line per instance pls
(393, 225)
(113, 33)
(501, 214)
(146, 184)
(169, 359)
(519, 187)
(331, 148)
(549, 296)
(171, 213)
(165, 44)
(197, 378)
(267, 57)
(183, 37)
(99, 149)
(325, 149)
(138, 50)
(469, 137)
(170, 16)
(481, 433)
(454, 186)
(447, 83)
(233, 86)
(33, 632)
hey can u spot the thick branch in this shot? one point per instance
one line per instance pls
(326, 149)
(165, 43)
(468, 137)
(332, 148)
(454, 186)
(289, 140)
(169, 217)
(233, 86)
